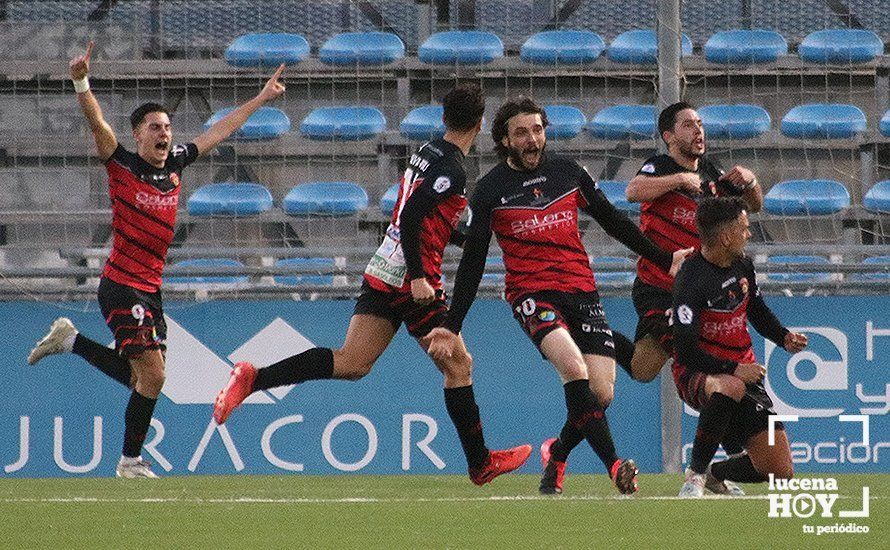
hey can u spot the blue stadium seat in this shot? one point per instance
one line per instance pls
(840, 46)
(877, 199)
(641, 47)
(267, 50)
(615, 276)
(885, 124)
(806, 197)
(329, 198)
(744, 47)
(615, 192)
(624, 122)
(320, 264)
(562, 47)
(209, 279)
(461, 47)
(824, 121)
(264, 124)
(565, 121)
(229, 199)
(388, 200)
(362, 48)
(423, 123)
(734, 121)
(883, 261)
(797, 277)
(343, 123)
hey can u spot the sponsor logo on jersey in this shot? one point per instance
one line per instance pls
(534, 181)
(713, 329)
(684, 216)
(151, 201)
(537, 223)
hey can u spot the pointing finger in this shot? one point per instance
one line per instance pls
(89, 51)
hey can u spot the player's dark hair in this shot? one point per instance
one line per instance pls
(463, 107)
(138, 115)
(519, 106)
(714, 214)
(668, 116)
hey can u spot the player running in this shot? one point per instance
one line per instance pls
(403, 284)
(144, 189)
(715, 369)
(530, 201)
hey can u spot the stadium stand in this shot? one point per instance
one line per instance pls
(840, 46)
(623, 122)
(362, 48)
(742, 47)
(806, 198)
(824, 121)
(461, 47)
(325, 198)
(267, 50)
(614, 191)
(798, 277)
(640, 47)
(565, 121)
(388, 200)
(229, 199)
(423, 123)
(562, 47)
(734, 121)
(265, 123)
(343, 123)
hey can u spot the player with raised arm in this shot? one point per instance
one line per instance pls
(403, 284)
(715, 369)
(669, 187)
(530, 201)
(144, 188)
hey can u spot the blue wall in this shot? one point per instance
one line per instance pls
(322, 427)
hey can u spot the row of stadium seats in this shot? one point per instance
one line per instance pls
(320, 271)
(617, 122)
(787, 198)
(745, 47)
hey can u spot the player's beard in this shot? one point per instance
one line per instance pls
(689, 150)
(515, 155)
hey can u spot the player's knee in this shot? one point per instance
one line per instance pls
(151, 381)
(603, 393)
(457, 370)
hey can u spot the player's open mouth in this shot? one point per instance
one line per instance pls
(161, 146)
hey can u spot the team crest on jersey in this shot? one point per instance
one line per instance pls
(174, 179)
(648, 168)
(547, 316)
(744, 285)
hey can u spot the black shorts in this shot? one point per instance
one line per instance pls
(136, 318)
(399, 307)
(581, 313)
(653, 307)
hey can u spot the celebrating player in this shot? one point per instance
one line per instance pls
(669, 188)
(403, 284)
(530, 201)
(144, 189)
(715, 369)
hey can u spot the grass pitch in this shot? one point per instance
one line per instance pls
(411, 512)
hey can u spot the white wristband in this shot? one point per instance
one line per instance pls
(81, 85)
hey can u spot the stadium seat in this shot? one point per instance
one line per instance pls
(624, 122)
(388, 200)
(885, 124)
(327, 198)
(877, 199)
(264, 124)
(565, 121)
(229, 199)
(824, 121)
(734, 121)
(744, 47)
(615, 192)
(615, 276)
(423, 123)
(208, 280)
(267, 50)
(640, 47)
(883, 261)
(494, 262)
(840, 46)
(461, 47)
(362, 48)
(343, 123)
(319, 264)
(797, 277)
(806, 198)
(562, 47)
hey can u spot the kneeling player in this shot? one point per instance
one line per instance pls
(715, 369)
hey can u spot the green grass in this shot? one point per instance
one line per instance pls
(407, 512)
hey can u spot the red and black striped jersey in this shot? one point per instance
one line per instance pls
(430, 202)
(711, 309)
(144, 200)
(669, 220)
(534, 215)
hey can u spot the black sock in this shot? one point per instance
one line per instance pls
(624, 352)
(590, 419)
(105, 359)
(569, 438)
(712, 423)
(739, 469)
(731, 445)
(312, 364)
(136, 422)
(464, 413)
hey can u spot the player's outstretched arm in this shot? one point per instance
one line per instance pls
(106, 141)
(207, 141)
